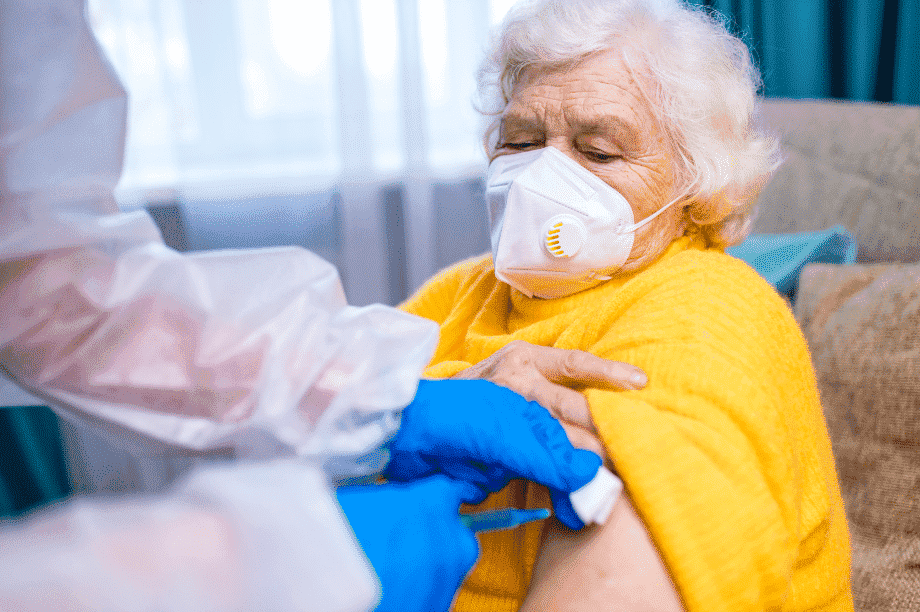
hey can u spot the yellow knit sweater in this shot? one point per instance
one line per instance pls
(725, 453)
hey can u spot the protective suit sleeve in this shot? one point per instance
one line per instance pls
(264, 536)
(256, 350)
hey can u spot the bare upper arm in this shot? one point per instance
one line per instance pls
(614, 566)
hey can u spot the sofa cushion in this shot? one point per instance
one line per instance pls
(851, 163)
(862, 324)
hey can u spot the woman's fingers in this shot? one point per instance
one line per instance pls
(569, 367)
(582, 438)
(563, 403)
(545, 375)
(519, 359)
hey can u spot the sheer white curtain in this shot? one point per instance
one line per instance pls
(240, 99)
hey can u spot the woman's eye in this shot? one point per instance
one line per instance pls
(598, 156)
(518, 146)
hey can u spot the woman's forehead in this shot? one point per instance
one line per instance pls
(598, 94)
(599, 78)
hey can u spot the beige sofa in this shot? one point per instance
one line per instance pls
(858, 165)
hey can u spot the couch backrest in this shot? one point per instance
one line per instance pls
(854, 164)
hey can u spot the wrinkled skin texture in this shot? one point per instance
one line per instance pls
(596, 114)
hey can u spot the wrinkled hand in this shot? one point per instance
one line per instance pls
(551, 377)
(412, 535)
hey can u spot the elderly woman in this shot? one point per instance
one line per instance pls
(623, 161)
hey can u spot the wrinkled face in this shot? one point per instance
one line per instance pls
(595, 113)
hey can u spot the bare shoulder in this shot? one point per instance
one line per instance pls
(614, 566)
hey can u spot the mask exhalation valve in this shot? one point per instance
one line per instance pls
(563, 236)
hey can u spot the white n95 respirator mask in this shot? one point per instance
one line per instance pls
(556, 227)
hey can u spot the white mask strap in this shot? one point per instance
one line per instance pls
(635, 226)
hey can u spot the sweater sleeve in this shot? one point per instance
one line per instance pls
(725, 452)
(436, 299)
(448, 295)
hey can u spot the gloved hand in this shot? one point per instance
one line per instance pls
(412, 535)
(483, 433)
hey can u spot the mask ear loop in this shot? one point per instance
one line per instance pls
(628, 229)
(635, 226)
(690, 185)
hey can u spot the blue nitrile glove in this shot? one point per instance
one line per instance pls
(563, 510)
(412, 535)
(486, 434)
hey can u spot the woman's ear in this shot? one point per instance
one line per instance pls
(709, 210)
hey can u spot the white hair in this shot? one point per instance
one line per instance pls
(698, 80)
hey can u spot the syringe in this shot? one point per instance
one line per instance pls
(502, 519)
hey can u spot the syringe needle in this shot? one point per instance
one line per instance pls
(503, 519)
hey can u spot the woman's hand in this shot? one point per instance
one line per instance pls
(552, 376)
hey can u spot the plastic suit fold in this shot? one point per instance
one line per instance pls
(255, 350)
(252, 351)
(229, 539)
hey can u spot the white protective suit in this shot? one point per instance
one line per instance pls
(252, 351)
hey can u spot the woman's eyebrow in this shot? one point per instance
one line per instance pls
(520, 122)
(606, 125)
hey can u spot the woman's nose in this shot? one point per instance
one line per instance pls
(563, 145)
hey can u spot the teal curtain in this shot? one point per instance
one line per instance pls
(32, 468)
(847, 49)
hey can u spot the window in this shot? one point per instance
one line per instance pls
(283, 94)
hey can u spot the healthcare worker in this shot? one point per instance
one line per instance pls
(253, 352)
